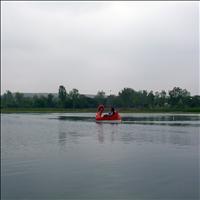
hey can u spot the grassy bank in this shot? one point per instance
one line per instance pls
(83, 110)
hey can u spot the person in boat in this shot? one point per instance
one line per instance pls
(111, 113)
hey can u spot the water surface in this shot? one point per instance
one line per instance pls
(69, 156)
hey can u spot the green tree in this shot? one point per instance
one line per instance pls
(144, 98)
(39, 102)
(19, 98)
(157, 99)
(62, 95)
(100, 97)
(177, 96)
(127, 97)
(195, 101)
(151, 99)
(8, 100)
(163, 97)
(74, 96)
(111, 101)
(50, 101)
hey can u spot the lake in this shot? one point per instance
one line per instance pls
(70, 156)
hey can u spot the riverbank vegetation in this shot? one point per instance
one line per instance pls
(127, 100)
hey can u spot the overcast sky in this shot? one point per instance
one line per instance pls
(95, 46)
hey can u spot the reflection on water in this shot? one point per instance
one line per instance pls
(148, 119)
(100, 133)
(138, 134)
(66, 157)
(62, 135)
(110, 133)
(160, 138)
(162, 118)
(174, 134)
(62, 138)
(76, 118)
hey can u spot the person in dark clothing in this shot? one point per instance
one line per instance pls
(112, 111)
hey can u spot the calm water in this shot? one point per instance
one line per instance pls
(69, 156)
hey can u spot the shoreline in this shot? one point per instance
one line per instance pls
(93, 110)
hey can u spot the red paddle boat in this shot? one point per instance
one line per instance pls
(114, 117)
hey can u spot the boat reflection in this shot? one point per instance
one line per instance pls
(72, 131)
(106, 132)
(62, 138)
(139, 135)
(100, 133)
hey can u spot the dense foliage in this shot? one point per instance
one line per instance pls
(176, 98)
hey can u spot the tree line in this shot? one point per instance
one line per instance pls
(176, 98)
